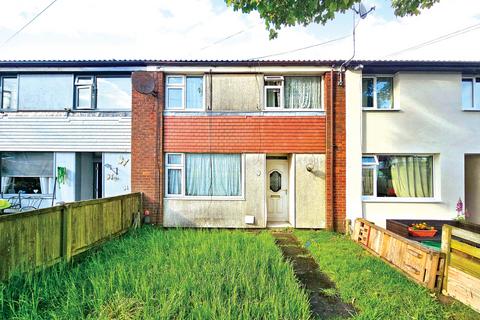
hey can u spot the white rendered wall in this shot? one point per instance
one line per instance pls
(120, 184)
(430, 121)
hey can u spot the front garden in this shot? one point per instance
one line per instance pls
(200, 274)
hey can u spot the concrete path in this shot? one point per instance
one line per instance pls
(324, 300)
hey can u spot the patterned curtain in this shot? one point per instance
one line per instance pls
(303, 93)
(412, 176)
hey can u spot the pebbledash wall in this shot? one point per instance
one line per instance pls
(317, 137)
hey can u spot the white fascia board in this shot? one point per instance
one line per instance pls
(281, 70)
(71, 69)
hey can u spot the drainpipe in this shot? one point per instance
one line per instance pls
(331, 148)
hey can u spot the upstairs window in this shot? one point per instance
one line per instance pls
(45, 91)
(471, 93)
(293, 93)
(377, 93)
(184, 92)
(402, 176)
(84, 92)
(9, 93)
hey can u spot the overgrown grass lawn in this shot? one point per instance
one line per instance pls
(377, 290)
(164, 274)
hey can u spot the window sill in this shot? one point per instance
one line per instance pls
(471, 110)
(244, 113)
(382, 110)
(400, 200)
(203, 198)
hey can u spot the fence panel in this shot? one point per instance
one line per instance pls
(420, 263)
(462, 268)
(39, 238)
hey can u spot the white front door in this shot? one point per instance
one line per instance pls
(277, 184)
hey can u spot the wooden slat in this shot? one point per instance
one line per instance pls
(464, 287)
(465, 264)
(466, 248)
(465, 234)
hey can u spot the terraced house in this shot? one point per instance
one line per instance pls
(247, 144)
(64, 131)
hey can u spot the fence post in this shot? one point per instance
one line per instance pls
(446, 242)
(67, 233)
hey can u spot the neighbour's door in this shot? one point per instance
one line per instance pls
(277, 196)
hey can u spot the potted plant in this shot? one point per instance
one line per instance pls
(422, 230)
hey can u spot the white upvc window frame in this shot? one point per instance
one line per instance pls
(375, 198)
(282, 93)
(91, 86)
(183, 86)
(183, 195)
(181, 167)
(375, 103)
(474, 106)
(281, 87)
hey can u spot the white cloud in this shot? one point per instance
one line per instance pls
(169, 29)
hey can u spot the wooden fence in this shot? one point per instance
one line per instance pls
(40, 238)
(420, 263)
(462, 265)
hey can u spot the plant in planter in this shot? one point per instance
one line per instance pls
(459, 208)
(422, 230)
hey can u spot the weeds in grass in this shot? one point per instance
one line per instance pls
(164, 274)
(377, 290)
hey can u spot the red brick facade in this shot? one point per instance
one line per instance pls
(153, 134)
(147, 160)
(243, 134)
(336, 152)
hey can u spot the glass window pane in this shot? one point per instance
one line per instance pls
(194, 93)
(175, 80)
(369, 160)
(273, 97)
(174, 98)
(405, 176)
(45, 92)
(31, 172)
(367, 181)
(81, 80)
(9, 89)
(174, 159)
(367, 93)
(213, 174)
(84, 97)
(114, 93)
(384, 93)
(467, 93)
(174, 181)
(303, 93)
(275, 181)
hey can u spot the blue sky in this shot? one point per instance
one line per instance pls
(197, 29)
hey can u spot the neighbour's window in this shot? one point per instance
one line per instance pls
(377, 93)
(200, 174)
(471, 93)
(403, 176)
(84, 92)
(114, 93)
(299, 92)
(8, 97)
(30, 172)
(45, 91)
(184, 92)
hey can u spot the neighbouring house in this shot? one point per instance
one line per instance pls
(412, 140)
(247, 144)
(64, 130)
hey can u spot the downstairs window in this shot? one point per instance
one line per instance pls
(203, 175)
(30, 172)
(402, 176)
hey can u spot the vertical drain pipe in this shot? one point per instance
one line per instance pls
(331, 147)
